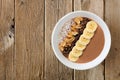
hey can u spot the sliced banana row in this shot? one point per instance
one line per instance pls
(83, 41)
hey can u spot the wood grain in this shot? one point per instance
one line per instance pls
(112, 17)
(54, 10)
(31, 56)
(29, 47)
(95, 6)
(6, 57)
(51, 62)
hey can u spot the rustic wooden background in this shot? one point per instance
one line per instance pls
(31, 56)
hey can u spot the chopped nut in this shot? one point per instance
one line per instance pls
(63, 43)
(66, 39)
(69, 44)
(69, 36)
(80, 18)
(61, 48)
(74, 24)
(73, 28)
(74, 33)
(77, 20)
(70, 33)
(69, 40)
(77, 26)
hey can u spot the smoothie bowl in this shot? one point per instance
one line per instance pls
(81, 40)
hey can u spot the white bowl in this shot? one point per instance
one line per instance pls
(81, 66)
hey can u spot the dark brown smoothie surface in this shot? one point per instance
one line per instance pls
(93, 49)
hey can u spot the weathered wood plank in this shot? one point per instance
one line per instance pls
(6, 55)
(51, 62)
(112, 17)
(29, 47)
(95, 6)
(54, 10)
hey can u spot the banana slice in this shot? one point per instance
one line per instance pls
(75, 52)
(72, 58)
(87, 34)
(83, 40)
(79, 46)
(91, 26)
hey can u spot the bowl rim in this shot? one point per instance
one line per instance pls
(96, 61)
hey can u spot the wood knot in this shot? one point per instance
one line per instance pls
(8, 39)
(116, 49)
(21, 2)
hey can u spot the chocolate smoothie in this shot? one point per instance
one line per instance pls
(92, 50)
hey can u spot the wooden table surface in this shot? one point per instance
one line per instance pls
(31, 56)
